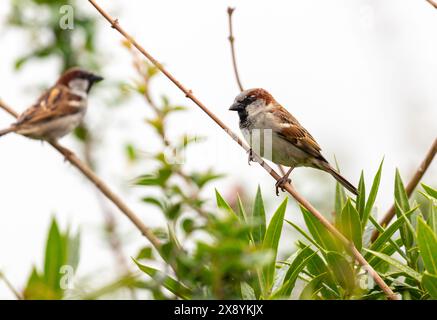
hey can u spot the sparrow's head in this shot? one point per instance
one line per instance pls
(79, 79)
(251, 100)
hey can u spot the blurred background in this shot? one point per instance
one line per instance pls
(360, 75)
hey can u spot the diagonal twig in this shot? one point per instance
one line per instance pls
(102, 186)
(8, 284)
(433, 3)
(410, 186)
(288, 187)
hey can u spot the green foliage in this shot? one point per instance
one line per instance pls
(230, 250)
(48, 39)
(60, 262)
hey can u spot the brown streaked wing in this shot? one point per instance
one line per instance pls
(296, 134)
(52, 104)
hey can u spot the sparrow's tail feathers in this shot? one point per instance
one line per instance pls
(341, 179)
(6, 131)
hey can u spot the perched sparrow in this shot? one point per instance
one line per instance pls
(58, 110)
(276, 135)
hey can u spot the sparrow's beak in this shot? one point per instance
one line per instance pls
(236, 107)
(95, 78)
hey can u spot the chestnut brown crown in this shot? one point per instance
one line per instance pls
(78, 73)
(249, 96)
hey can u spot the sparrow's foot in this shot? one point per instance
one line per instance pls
(280, 184)
(250, 157)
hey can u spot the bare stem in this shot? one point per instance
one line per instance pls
(189, 94)
(231, 39)
(410, 186)
(15, 292)
(103, 187)
(433, 3)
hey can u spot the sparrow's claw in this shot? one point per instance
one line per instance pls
(280, 184)
(250, 157)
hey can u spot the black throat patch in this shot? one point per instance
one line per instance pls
(243, 118)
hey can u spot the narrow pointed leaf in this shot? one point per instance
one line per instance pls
(342, 270)
(271, 241)
(389, 232)
(372, 195)
(259, 218)
(168, 282)
(361, 198)
(319, 232)
(247, 293)
(429, 282)
(397, 265)
(289, 284)
(350, 224)
(222, 204)
(431, 191)
(427, 242)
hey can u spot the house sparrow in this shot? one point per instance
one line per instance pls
(276, 135)
(58, 110)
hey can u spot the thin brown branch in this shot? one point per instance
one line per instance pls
(8, 284)
(231, 39)
(102, 186)
(415, 179)
(290, 189)
(433, 3)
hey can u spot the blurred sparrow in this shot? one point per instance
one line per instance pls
(59, 110)
(276, 135)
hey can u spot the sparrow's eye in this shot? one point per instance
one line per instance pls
(248, 100)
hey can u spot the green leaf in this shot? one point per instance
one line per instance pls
(81, 133)
(222, 204)
(389, 249)
(259, 218)
(350, 224)
(340, 198)
(401, 206)
(406, 230)
(397, 265)
(241, 211)
(201, 179)
(400, 193)
(429, 282)
(427, 242)
(172, 285)
(153, 200)
(389, 232)
(312, 288)
(55, 257)
(432, 216)
(372, 196)
(361, 198)
(292, 274)
(131, 153)
(145, 253)
(341, 270)
(431, 191)
(37, 289)
(319, 232)
(306, 235)
(247, 293)
(271, 241)
(158, 179)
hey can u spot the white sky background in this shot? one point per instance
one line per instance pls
(360, 75)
